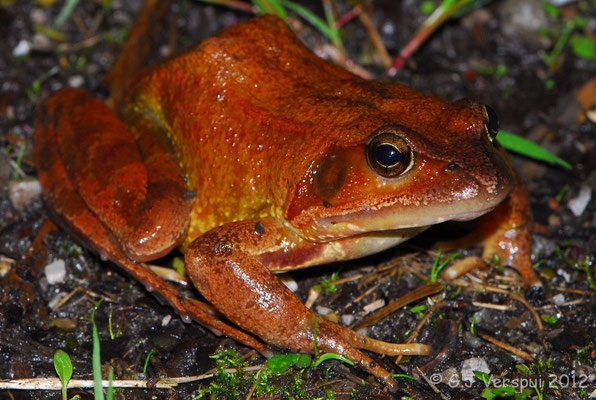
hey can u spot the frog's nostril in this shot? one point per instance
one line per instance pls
(452, 166)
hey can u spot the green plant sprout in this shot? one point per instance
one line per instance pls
(507, 391)
(438, 267)
(564, 33)
(63, 367)
(113, 334)
(96, 357)
(327, 285)
(549, 319)
(19, 161)
(147, 361)
(418, 310)
(331, 356)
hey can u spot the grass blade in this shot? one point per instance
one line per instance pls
(313, 19)
(65, 12)
(96, 359)
(530, 149)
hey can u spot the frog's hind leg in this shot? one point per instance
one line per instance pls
(74, 214)
(136, 188)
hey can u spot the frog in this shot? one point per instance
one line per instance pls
(254, 156)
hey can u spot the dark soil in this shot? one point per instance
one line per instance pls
(463, 59)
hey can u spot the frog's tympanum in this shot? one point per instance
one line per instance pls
(253, 156)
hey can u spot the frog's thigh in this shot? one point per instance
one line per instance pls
(135, 188)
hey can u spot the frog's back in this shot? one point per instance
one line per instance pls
(249, 110)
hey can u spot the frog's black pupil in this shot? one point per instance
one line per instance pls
(387, 155)
(493, 120)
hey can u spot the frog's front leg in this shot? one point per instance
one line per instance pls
(231, 266)
(506, 234)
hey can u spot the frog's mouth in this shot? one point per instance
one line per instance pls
(395, 217)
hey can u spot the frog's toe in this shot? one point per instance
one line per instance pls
(334, 338)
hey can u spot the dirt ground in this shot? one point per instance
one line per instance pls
(497, 54)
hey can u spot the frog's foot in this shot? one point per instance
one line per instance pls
(226, 265)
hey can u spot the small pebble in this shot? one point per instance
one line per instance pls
(5, 265)
(288, 281)
(559, 299)
(164, 51)
(471, 340)
(347, 319)
(76, 81)
(22, 48)
(323, 310)
(534, 348)
(554, 220)
(522, 19)
(388, 28)
(473, 364)
(24, 192)
(55, 271)
(42, 42)
(564, 274)
(375, 305)
(451, 377)
(166, 320)
(362, 331)
(38, 16)
(578, 204)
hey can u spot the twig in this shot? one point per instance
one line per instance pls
(169, 274)
(432, 385)
(476, 286)
(347, 17)
(396, 304)
(357, 299)
(83, 44)
(375, 39)
(565, 304)
(416, 331)
(576, 291)
(500, 307)
(340, 58)
(166, 383)
(514, 350)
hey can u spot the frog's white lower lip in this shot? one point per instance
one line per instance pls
(471, 215)
(388, 220)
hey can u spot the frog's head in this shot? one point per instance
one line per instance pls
(402, 169)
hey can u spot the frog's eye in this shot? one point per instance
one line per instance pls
(389, 155)
(491, 122)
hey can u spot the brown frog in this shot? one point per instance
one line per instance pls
(254, 156)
